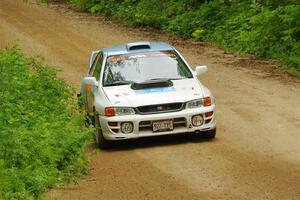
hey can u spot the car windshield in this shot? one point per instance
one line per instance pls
(141, 67)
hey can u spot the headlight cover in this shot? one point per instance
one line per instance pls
(124, 111)
(197, 103)
(118, 111)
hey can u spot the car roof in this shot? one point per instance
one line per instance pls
(137, 47)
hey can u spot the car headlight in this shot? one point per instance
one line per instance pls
(197, 103)
(113, 111)
(194, 104)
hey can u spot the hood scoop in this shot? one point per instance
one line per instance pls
(155, 83)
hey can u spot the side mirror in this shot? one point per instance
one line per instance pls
(201, 69)
(89, 82)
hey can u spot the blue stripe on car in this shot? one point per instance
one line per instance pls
(155, 90)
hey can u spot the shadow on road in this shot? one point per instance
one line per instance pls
(165, 140)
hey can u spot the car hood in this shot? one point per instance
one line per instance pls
(181, 91)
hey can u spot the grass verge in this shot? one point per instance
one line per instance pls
(42, 135)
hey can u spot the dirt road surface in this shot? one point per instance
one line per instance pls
(256, 154)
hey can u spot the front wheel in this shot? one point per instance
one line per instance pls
(101, 142)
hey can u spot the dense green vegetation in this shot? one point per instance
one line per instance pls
(267, 28)
(42, 136)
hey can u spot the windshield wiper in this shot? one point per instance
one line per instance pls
(119, 83)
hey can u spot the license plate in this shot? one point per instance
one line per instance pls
(165, 125)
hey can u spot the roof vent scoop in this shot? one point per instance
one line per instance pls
(152, 84)
(138, 46)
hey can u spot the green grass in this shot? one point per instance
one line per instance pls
(269, 29)
(42, 135)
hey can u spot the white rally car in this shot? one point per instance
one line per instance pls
(145, 89)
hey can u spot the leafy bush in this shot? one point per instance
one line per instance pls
(267, 28)
(42, 137)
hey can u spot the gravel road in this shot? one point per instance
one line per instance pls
(256, 154)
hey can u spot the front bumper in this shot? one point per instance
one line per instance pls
(143, 123)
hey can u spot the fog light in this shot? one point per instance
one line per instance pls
(127, 127)
(197, 120)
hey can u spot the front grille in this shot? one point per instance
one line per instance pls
(160, 108)
(177, 123)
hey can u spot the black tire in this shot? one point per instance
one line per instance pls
(211, 133)
(101, 142)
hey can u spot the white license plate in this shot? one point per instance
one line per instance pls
(165, 125)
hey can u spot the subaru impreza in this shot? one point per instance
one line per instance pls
(145, 89)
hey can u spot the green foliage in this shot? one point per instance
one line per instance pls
(267, 28)
(42, 137)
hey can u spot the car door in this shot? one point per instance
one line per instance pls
(90, 83)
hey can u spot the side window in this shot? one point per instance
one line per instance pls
(92, 69)
(98, 65)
